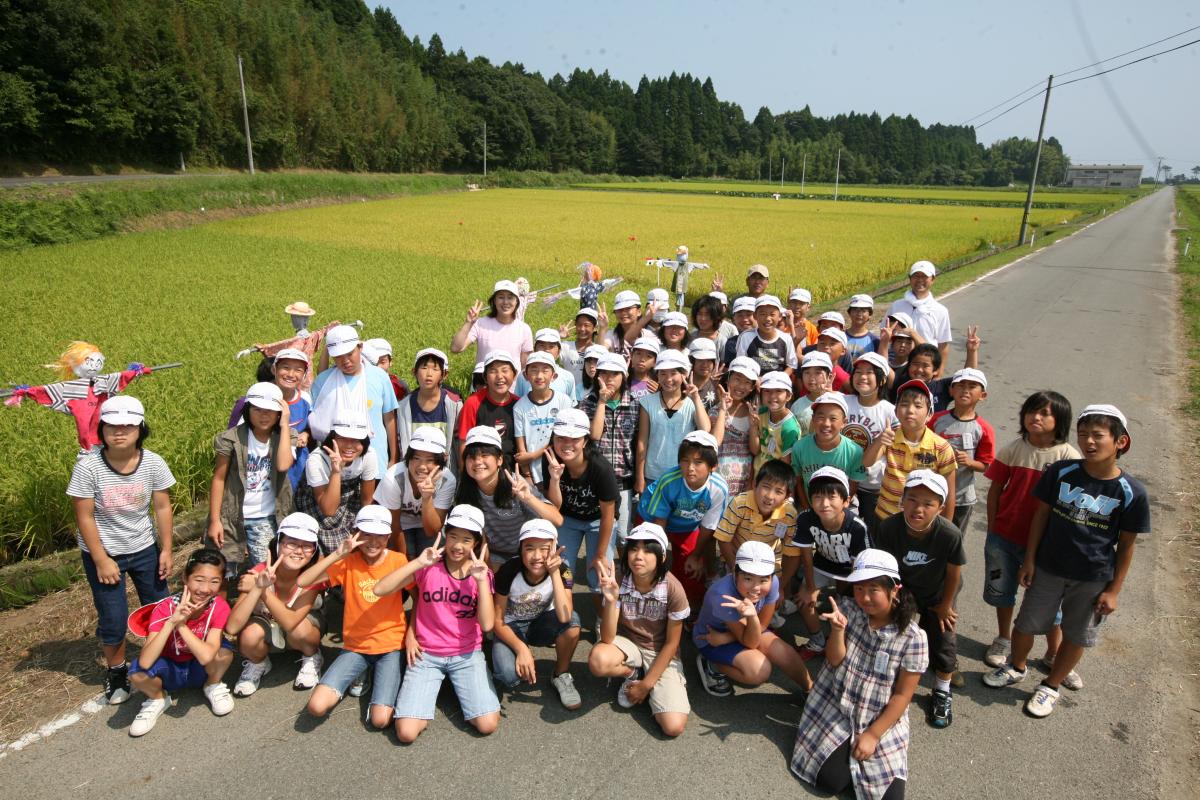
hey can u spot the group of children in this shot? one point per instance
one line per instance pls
(718, 477)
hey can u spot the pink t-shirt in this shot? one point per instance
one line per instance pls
(214, 617)
(489, 334)
(445, 621)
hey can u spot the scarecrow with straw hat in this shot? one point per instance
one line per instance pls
(302, 339)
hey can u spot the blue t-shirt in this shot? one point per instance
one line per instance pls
(381, 398)
(683, 508)
(808, 457)
(1087, 516)
(857, 345)
(667, 429)
(563, 383)
(713, 617)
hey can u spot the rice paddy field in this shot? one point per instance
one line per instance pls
(408, 268)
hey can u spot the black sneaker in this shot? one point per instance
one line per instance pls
(116, 685)
(714, 682)
(940, 714)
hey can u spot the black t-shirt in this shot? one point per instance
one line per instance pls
(499, 417)
(771, 356)
(940, 387)
(526, 601)
(833, 551)
(1087, 516)
(581, 497)
(922, 561)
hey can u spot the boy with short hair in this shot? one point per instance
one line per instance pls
(534, 414)
(773, 351)
(777, 427)
(548, 340)
(764, 514)
(832, 342)
(816, 378)
(825, 446)
(493, 405)
(930, 318)
(804, 332)
(925, 364)
(1080, 549)
(743, 320)
(911, 447)
(929, 550)
(431, 405)
(970, 435)
(859, 338)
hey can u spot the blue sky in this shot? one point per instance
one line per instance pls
(940, 61)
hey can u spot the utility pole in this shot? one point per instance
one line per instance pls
(1037, 157)
(1157, 170)
(246, 117)
(837, 175)
(782, 172)
(803, 171)
(485, 149)
(770, 167)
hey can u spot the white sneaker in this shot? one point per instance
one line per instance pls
(1004, 675)
(788, 607)
(310, 671)
(567, 692)
(1042, 702)
(252, 675)
(777, 622)
(219, 698)
(998, 652)
(149, 714)
(1073, 681)
(623, 699)
(356, 688)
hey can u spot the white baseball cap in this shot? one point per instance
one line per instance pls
(924, 268)
(506, 286)
(484, 434)
(743, 303)
(541, 357)
(478, 368)
(758, 269)
(428, 439)
(433, 351)
(875, 360)
(871, 563)
(626, 299)
(768, 300)
(351, 426)
(341, 340)
(832, 399)
(927, 478)
(724, 298)
(676, 318)
(828, 471)
(757, 558)
(374, 519)
(500, 355)
(701, 349)
(299, 525)
(571, 423)
(657, 295)
(970, 374)
(746, 367)
(833, 316)
(672, 359)
(547, 335)
(266, 396)
(374, 348)
(803, 295)
(594, 351)
(815, 358)
(1094, 410)
(465, 517)
(124, 410)
(649, 532)
(835, 333)
(702, 438)
(611, 362)
(293, 354)
(648, 342)
(538, 528)
(775, 380)
(862, 301)
(902, 317)
(590, 313)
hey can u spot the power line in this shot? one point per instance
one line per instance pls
(1127, 52)
(1011, 108)
(1002, 102)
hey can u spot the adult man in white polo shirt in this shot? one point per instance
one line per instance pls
(930, 318)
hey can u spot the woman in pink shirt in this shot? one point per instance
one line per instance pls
(499, 330)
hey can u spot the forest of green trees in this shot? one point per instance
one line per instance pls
(334, 85)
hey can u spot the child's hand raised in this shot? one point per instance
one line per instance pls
(335, 459)
(266, 576)
(601, 317)
(474, 311)
(973, 340)
(187, 606)
(348, 545)
(431, 555)
(651, 385)
(478, 568)
(246, 582)
(563, 331)
(887, 436)
(718, 282)
(520, 486)
(835, 617)
(554, 467)
(555, 559)
(607, 575)
(427, 486)
(603, 393)
(743, 605)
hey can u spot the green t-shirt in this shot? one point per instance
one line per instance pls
(807, 458)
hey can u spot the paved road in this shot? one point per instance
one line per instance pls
(55, 179)
(1092, 317)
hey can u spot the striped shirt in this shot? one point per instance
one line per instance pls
(742, 522)
(122, 502)
(933, 452)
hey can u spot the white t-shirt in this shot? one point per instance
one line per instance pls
(123, 501)
(534, 422)
(864, 424)
(317, 471)
(258, 500)
(930, 318)
(396, 492)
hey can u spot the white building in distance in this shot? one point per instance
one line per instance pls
(1121, 176)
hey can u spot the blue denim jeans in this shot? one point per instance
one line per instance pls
(260, 532)
(468, 675)
(571, 534)
(109, 599)
(387, 673)
(542, 631)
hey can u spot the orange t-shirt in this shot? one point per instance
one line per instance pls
(370, 625)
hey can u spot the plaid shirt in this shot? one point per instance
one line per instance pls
(847, 699)
(620, 432)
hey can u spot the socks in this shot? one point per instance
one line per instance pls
(942, 685)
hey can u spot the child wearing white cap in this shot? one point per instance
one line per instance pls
(773, 350)
(825, 446)
(614, 417)
(739, 442)
(273, 614)
(775, 425)
(742, 314)
(930, 552)
(289, 371)
(703, 355)
(494, 405)
(591, 330)
(803, 331)
(859, 337)
(432, 405)
(373, 623)
(854, 731)
(970, 435)
(379, 352)
(340, 479)
(631, 322)
(563, 381)
(930, 318)
(731, 631)
(868, 415)
(1081, 542)
(642, 627)
(642, 358)
(501, 329)
(250, 489)
(419, 491)
(816, 378)
(666, 417)
(535, 413)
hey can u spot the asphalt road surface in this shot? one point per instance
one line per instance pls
(1092, 317)
(56, 179)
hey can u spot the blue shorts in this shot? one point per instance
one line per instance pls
(387, 673)
(468, 673)
(542, 631)
(722, 653)
(175, 675)
(1002, 561)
